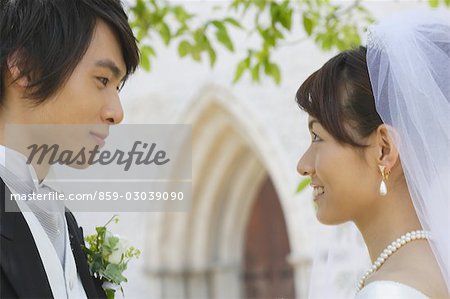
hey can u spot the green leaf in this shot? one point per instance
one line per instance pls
(200, 38)
(286, 19)
(114, 273)
(112, 242)
(218, 24)
(275, 73)
(282, 14)
(327, 40)
(140, 7)
(223, 37)
(149, 51)
(362, 9)
(233, 22)
(261, 4)
(181, 14)
(184, 48)
(268, 35)
(277, 34)
(180, 31)
(433, 3)
(141, 34)
(96, 264)
(100, 230)
(110, 293)
(308, 24)
(196, 53)
(164, 31)
(212, 56)
(145, 62)
(267, 67)
(255, 72)
(242, 66)
(274, 12)
(303, 184)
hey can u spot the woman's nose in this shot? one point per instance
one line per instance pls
(305, 165)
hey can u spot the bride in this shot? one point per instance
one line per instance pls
(379, 117)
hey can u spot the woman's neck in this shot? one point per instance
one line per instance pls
(389, 218)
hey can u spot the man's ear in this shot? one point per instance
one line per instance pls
(385, 146)
(13, 64)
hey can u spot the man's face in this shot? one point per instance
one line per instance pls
(89, 97)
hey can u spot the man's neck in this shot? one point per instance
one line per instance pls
(41, 169)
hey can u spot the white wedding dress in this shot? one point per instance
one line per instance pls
(389, 290)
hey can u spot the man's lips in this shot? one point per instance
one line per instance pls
(99, 138)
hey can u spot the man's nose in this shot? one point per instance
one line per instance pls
(113, 113)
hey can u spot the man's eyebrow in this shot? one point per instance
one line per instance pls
(311, 122)
(109, 64)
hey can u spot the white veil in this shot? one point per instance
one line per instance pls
(408, 57)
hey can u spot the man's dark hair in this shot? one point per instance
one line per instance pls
(49, 38)
(339, 95)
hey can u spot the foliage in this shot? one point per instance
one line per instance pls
(303, 184)
(108, 256)
(436, 3)
(336, 25)
(331, 26)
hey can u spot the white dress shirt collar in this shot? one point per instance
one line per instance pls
(15, 163)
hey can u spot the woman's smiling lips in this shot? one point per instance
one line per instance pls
(318, 191)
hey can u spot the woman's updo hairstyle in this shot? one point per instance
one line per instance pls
(339, 95)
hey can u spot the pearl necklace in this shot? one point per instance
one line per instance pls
(390, 249)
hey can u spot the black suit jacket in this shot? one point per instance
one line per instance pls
(22, 272)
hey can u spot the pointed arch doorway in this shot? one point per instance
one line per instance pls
(266, 272)
(202, 254)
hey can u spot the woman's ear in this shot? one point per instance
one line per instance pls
(385, 146)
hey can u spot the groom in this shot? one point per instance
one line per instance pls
(62, 62)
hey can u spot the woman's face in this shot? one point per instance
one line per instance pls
(348, 183)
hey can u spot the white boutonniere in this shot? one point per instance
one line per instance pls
(108, 255)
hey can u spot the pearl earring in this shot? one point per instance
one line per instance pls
(385, 176)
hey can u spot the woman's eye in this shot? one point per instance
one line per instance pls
(315, 137)
(119, 88)
(103, 80)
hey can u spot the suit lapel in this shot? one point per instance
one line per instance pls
(19, 256)
(20, 259)
(92, 286)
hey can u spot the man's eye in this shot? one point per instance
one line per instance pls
(103, 80)
(119, 88)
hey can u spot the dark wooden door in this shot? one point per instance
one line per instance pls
(266, 271)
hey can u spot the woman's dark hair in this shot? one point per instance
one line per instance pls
(50, 37)
(339, 95)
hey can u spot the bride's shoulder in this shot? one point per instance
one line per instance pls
(400, 280)
(411, 270)
(389, 289)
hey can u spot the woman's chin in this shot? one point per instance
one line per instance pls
(327, 219)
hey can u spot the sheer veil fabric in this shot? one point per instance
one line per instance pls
(408, 57)
(409, 66)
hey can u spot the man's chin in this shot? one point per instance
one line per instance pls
(78, 166)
